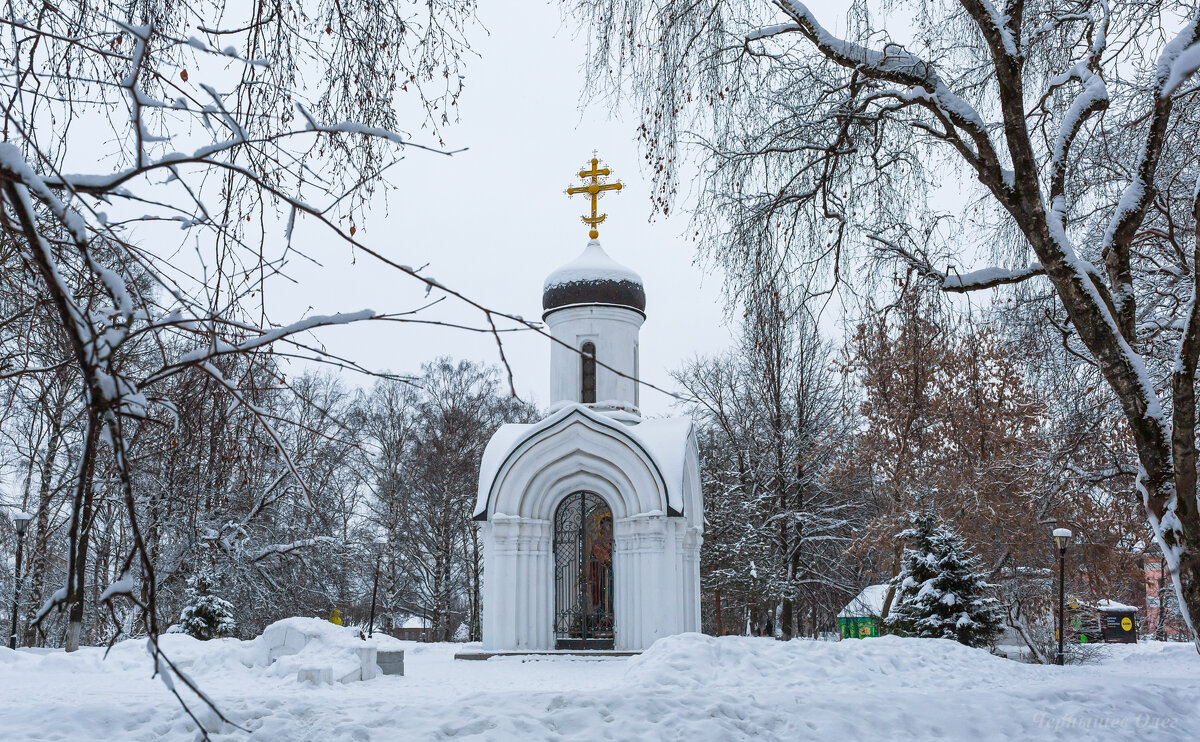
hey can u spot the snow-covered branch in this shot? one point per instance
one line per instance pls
(1175, 63)
(951, 280)
(896, 64)
(986, 278)
(280, 549)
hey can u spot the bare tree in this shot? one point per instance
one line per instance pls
(771, 423)
(155, 264)
(1069, 122)
(421, 457)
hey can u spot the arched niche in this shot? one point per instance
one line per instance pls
(583, 551)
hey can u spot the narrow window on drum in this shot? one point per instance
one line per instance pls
(588, 374)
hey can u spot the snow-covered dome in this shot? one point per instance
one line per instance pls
(593, 278)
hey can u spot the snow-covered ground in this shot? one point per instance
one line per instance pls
(689, 687)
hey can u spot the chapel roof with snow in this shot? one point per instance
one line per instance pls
(593, 278)
(578, 434)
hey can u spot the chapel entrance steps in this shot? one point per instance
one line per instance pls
(547, 654)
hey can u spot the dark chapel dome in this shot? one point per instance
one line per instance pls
(593, 278)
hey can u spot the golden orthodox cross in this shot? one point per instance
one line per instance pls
(595, 189)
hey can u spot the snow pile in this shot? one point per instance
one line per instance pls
(294, 645)
(201, 659)
(689, 687)
(693, 661)
(285, 648)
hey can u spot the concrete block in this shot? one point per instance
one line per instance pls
(391, 662)
(367, 657)
(316, 675)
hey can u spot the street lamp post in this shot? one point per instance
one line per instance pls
(20, 523)
(380, 543)
(1061, 537)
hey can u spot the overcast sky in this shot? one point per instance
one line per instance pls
(493, 221)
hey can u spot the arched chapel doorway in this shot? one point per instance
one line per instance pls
(583, 573)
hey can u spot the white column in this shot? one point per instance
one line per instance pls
(488, 584)
(523, 591)
(523, 557)
(544, 576)
(501, 553)
(536, 590)
(691, 552)
(625, 617)
(641, 543)
(680, 589)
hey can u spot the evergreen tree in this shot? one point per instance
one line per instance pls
(940, 591)
(206, 615)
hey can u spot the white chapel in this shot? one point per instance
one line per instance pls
(591, 518)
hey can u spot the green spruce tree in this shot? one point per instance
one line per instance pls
(206, 615)
(941, 591)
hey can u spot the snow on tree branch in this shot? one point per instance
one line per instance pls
(1180, 59)
(951, 280)
(279, 549)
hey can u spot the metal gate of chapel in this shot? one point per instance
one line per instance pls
(583, 573)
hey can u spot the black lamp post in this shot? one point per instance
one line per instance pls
(20, 523)
(380, 544)
(1061, 537)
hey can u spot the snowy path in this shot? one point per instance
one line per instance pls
(689, 688)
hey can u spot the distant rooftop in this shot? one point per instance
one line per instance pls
(869, 602)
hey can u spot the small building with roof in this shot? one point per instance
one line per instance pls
(861, 616)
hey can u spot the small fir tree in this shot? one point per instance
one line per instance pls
(941, 591)
(206, 616)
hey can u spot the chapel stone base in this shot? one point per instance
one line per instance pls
(656, 571)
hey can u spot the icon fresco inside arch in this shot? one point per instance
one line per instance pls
(598, 547)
